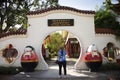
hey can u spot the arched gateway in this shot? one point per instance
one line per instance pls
(43, 22)
(78, 22)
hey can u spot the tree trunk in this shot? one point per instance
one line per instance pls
(1, 24)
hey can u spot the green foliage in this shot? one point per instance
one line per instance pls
(106, 19)
(13, 12)
(110, 66)
(10, 70)
(56, 41)
(113, 6)
(43, 4)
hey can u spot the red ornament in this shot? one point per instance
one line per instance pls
(29, 58)
(93, 58)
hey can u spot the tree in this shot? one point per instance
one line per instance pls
(54, 42)
(43, 4)
(113, 6)
(14, 12)
(116, 8)
(105, 17)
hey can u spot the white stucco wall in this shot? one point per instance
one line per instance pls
(103, 39)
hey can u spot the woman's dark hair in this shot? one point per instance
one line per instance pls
(30, 47)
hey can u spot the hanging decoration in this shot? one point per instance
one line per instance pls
(9, 54)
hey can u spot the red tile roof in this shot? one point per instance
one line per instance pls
(60, 8)
(104, 31)
(23, 32)
(18, 32)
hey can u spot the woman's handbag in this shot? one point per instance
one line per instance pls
(57, 62)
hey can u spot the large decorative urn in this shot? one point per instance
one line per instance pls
(29, 59)
(93, 59)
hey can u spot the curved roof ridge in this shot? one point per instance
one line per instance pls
(60, 8)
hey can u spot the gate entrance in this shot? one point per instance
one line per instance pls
(55, 40)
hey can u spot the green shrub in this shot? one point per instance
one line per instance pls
(10, 70)
(110, 66)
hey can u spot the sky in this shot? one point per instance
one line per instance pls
(83, 4)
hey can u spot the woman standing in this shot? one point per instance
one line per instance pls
(62, 61)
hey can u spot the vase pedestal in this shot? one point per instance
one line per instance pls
(29, 66)
(94, 66)
(118, 61)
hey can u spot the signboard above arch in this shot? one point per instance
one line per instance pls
(60, 22)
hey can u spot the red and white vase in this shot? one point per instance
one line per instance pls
(93, 59)
(29, 59)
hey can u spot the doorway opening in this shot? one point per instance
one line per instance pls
(54, 41)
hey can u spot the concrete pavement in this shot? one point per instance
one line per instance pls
(52, 74)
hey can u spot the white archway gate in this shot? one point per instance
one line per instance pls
(78, 22)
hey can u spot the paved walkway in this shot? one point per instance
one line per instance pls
(52, 74)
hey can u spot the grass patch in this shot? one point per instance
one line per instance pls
(10, 70)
